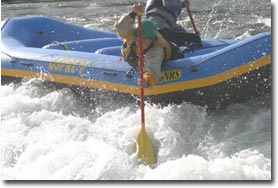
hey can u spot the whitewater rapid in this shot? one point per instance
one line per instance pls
(48, 134)
(51, 134)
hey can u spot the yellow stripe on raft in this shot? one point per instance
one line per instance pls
(99, 84)
(179, 86)
(212, 80)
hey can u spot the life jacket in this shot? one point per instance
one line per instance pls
(130, 51)
(172, 6)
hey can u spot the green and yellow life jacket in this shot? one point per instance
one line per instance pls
(130, 51)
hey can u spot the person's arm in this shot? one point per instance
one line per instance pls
(124, 25)
(152, 67)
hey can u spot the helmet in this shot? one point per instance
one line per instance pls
(148, 29)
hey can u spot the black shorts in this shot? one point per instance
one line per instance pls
(181, 38)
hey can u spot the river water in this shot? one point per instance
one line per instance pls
(48, 134)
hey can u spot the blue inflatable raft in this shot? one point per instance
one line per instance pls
(220, 72)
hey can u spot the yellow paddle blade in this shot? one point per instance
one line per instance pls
(145, 150)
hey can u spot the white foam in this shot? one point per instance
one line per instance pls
(245, 165)
(41, 139)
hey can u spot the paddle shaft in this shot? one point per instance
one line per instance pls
(192, 21)
(141, 62)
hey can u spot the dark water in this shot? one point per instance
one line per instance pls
(49, 134)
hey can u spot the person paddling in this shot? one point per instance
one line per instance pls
(156, 49)
(164, 13)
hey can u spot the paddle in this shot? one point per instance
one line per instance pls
(192, 21)
(144, 144)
